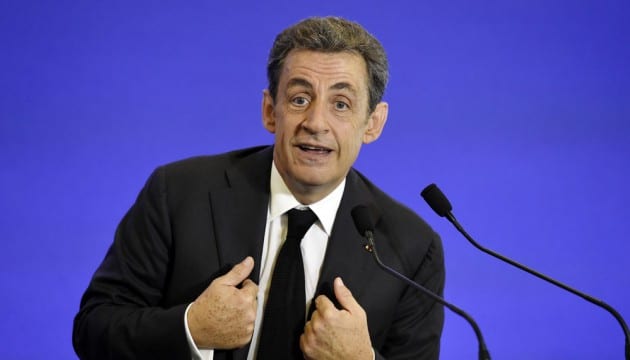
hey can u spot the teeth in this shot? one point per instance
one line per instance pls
(313, 148)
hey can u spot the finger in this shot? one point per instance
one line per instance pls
(307, 340)
(303, 346)
(250, 288)
(323, 304)
(239, 272)
(344, 296)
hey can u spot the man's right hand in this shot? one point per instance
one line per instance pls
(222, 317)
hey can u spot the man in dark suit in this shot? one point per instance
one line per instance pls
(191, 266)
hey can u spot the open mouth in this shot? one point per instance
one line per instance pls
(314, 149)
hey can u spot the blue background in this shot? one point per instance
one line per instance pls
(519, 110)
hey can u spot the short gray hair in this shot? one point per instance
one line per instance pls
(331, 34)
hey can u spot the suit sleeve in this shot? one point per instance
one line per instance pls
(121, 314)
(417, 326)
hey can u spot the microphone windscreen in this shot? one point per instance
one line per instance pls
(362, 219)
(436, 200)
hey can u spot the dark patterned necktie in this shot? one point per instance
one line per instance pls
(283, 320)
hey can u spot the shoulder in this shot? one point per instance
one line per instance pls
(389, 211)
(207, 167)
(209, 164)
(201, 173)
(399, 228)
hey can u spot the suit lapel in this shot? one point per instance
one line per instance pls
(345, 253)
(240, 210)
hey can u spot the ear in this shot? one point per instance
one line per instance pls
(376, 123)
(268, 115)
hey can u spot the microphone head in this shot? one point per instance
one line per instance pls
(362, 219)
(436, 200)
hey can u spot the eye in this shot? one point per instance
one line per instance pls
(342, 106)
(299, 101)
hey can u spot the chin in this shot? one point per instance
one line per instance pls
(312, 178)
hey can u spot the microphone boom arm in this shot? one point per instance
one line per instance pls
(451, 218)
(483, 351)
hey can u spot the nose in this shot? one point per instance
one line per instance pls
(316, 120)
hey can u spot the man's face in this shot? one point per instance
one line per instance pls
(320, 120)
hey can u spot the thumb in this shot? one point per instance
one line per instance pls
(344, 296)
(239, 272)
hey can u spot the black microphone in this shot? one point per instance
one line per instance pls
(440, 204)
(363, 221)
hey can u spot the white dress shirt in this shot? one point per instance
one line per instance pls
(313, 248)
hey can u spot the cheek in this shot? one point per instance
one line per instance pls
(351, 145)
(286, 126)
(280, 129)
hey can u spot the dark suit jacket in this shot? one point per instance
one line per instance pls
(196, 218)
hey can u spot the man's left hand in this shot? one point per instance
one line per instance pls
(337, 334)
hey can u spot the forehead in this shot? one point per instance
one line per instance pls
(325, 68)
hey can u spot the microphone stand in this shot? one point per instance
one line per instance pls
(451, 218)
(483, 351)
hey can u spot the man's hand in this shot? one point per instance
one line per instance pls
(337, 334)
(222, 317)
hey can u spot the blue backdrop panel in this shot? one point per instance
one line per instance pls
(519, 110)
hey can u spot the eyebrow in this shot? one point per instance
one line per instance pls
(299, 82)
(344, 86)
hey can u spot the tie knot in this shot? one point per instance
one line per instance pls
(299, 221)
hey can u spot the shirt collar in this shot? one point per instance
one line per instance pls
(282, 201)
